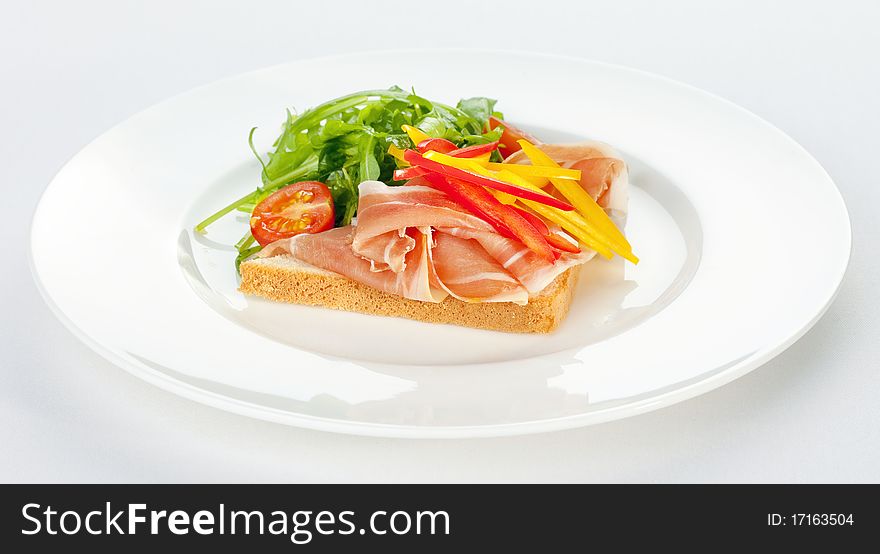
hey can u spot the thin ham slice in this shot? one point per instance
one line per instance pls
(461, 267)
(529, 269)
(464, 269)
(446, 265)
(332, 250)
(384, 214)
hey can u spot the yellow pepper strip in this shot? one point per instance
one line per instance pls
(616, 241)
(540, 182)
(468, 164)
(572, 222)
(397, 153)
(521, 170)
(503, 197)
(414, 134)
(537, 170)
(583, 202)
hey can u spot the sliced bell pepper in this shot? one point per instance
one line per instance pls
(437, 145)
(503, 218)
(542, 171)
(468, 164)
(536, 170)
(570, 227)
(572, 222)
(536, 221)
(408, 173)
(503, 197)
(540, 196)
(560, 243)
(591, 211)
(474, 151)
(552, 239)
(396, 152)
(415, 135)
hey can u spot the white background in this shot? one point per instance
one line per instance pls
(70, 70)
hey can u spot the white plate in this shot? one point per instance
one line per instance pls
(744, 240)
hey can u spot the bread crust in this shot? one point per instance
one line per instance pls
(283, 279)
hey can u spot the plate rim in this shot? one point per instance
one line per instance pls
(621, 409)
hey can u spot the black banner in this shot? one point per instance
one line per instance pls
(515, 518)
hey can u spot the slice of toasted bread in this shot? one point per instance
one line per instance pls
(285, 279)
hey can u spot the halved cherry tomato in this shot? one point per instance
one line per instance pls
(437, 145)
(474, 151)
(509, 136)
(304, 207)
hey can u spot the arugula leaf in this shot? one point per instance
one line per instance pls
(478, 108)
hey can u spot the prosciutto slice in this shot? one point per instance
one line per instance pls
(384, 214)
(468, 272)
(529, 269)
(332, 250)
(459, 266)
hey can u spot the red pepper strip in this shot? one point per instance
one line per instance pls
(536, 221)
(552, 239)
(443, 184)
(414, 158)
(437, 145)
(407, 173)
(473, 151)
(480, 202)
(561, 244)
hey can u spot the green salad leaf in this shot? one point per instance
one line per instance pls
(478, 108)
(345, 141)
